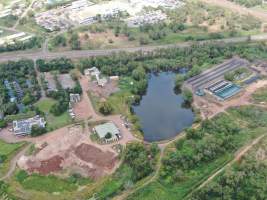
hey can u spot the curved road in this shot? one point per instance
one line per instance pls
(89, 53)
(13, 162)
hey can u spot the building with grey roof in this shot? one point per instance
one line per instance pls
(107, 132)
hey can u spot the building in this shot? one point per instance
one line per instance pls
(12, 97)
(107, 132)
(101, 81)
(92, 72)
(75, 98)
(24, 127)
(80, 4)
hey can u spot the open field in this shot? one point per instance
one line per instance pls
(7, 151)
(260, 95)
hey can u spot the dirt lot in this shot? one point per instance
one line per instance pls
(104, 40)
(70, 150)
(66, 81)
(103, 92)
(84, 109)
(51, 83)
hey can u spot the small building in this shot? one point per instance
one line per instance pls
(75, 98)
(92, 72)
(24, 127)
(71, 113)
(107, 132)
(102, 81)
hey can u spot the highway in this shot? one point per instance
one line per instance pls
(40, 54)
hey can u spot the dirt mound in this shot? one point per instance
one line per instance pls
(45, 167)
(89, 153)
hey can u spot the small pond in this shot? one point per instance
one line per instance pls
(161, 111)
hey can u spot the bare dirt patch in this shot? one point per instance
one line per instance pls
(103, 92)
(46, 166)
(101, 159)
(66, 81)
(104, 39)
(70, 150)
(84, 109)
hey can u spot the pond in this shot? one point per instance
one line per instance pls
(161, 111)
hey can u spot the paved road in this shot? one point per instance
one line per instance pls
(89, 53)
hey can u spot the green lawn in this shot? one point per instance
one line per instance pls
(48, 184)
(45, 104)
(53, 122)
(7, 151)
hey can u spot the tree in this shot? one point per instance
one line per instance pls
(75, 42)
(139, 73)
(136, 156)
(143, 40)
(105, 108)
(59, 40)
(187, 95)
(11, 109)
(3, 123)
(154, 148)
(179, 79)
(108, 135)
(36, 131)
(28, 99)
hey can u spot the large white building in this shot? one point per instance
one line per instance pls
(24, 127)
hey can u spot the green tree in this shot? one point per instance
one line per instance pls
(105, 108)
(36, 131)
(75, 41)
(187, 95)
(179, 79)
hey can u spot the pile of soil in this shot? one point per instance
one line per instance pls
(98, 158)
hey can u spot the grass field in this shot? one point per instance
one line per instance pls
(53, 122)
(38, 187)
(260, 95)
(48, 184)
(7, 151)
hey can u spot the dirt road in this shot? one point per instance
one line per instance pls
(238, 8)
(13, 163)
(238, 156)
